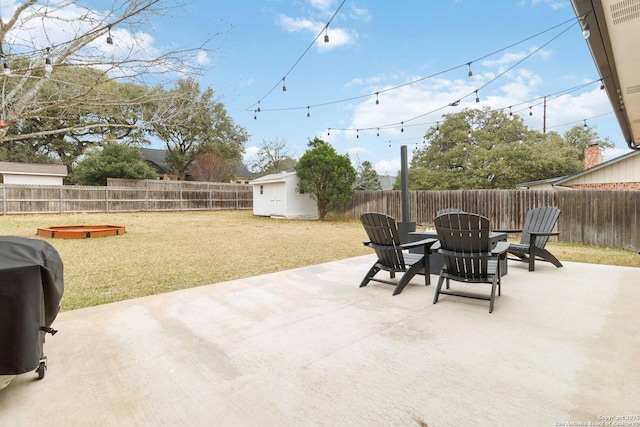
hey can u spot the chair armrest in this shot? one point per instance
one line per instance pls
(544, 233)
(508, 230)
(424, 242)
(500, 249)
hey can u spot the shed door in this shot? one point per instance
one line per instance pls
(275, 199)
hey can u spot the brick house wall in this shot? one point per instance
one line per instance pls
(592, 156)
(620, 186)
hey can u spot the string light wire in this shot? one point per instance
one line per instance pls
(418, 80)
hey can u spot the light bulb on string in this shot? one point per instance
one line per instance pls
(585, 124)
(377, 100)
(329, 132)
(585, 30)
(438, 128)
(470, 72)
(469, 134)
(109, 39)
(284, 87)
(601, 85)
(326, 34)
(48, 66)
(357, 133)
(258, 106)
(530, 111)
(255, 115)
(5, 66)
(401, 126)
(510, 114)
(378, 132)
(477, 97)
(308, 113)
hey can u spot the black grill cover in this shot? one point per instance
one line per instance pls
(31, 287)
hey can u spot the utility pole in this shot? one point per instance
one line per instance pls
(544, 117)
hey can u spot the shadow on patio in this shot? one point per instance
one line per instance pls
(308, 347)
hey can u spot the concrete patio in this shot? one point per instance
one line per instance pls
(307, 347)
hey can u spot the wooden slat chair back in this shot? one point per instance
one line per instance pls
(382, 232)
(468, 256)
(448, 210)
(464, 240)
(393, 257)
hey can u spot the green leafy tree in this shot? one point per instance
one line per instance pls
(113, 160)
(476, 149)
(582, 136)
(191, 123)
(367, 177)
(326, 176)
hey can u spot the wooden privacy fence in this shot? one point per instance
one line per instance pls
(126, 196)
(603, 218)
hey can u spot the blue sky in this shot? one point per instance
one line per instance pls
(376, 46)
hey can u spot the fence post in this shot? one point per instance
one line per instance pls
(146, 195)
(4, 199)
(61, 199)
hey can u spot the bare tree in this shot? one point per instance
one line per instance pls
(211, 167)
(38, 42)
(273, 157)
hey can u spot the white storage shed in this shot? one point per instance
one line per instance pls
(32, 173)
(275, 195)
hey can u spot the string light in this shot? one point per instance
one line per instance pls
(284, 87)
(585, 124)
(378, 132)
(109, 39)
(329, 132)
(601, 84)
(510, 114)
(308, 114)
(585, 30)
(470, 72)
(377, 100)
(438, 128)
(357, 133)
(5, 67)
(430, 76)
(477, 97)
(530, 111)
(326, 34)
(48, 67)
(402, 127)
(469, 134)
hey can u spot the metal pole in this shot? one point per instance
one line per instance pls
(404, 176)
(405, 226)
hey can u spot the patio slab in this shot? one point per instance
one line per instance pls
(307, 347)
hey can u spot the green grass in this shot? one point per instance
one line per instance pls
(162, 252)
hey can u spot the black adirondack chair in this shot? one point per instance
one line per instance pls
(468, 256)
(538, 227)
(384, 240)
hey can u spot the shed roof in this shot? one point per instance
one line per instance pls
(15, 168)
(274, 177)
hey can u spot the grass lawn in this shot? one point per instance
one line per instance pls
(162, 252)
